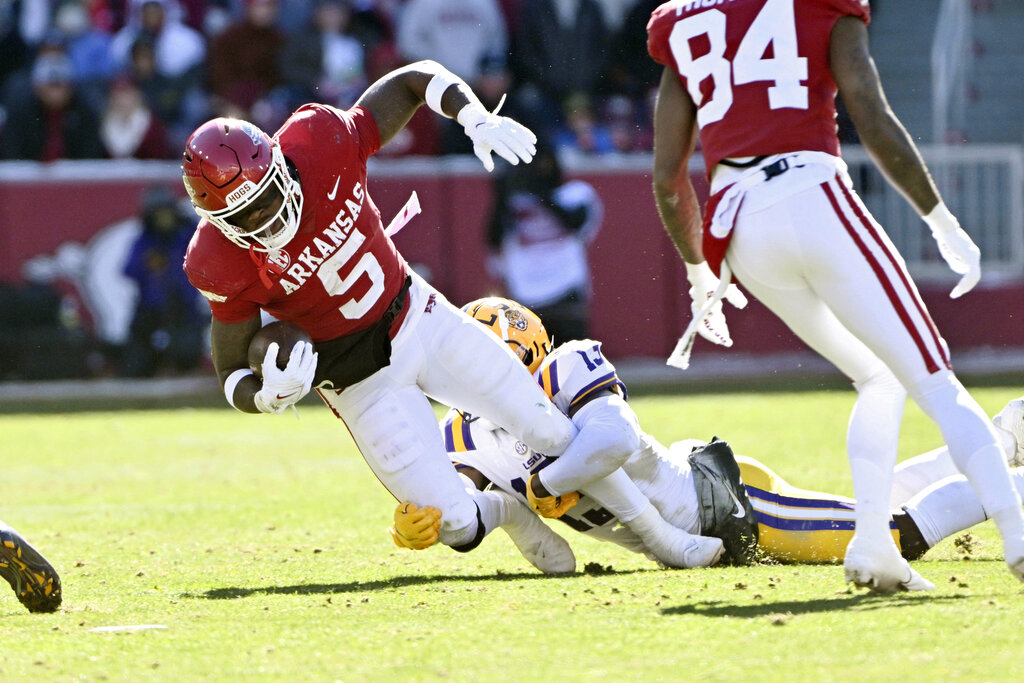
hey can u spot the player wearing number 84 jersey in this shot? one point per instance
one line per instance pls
(289, 228)
(758, 79)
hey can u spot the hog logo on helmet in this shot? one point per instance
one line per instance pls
(228, 166)
(516, 325)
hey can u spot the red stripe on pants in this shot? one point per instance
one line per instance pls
(886, 283)
(918, 304)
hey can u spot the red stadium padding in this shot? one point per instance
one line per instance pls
(640, 302)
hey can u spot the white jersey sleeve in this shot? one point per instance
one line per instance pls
(575, 373)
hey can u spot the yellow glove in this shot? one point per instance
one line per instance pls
(551, 507)
(415, 528)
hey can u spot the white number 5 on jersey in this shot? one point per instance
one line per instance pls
(775, 26)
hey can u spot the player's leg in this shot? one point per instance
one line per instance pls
(33, 579)
(469, 368)
(918, 473)
(672, 546)
(794, 524)
(787, 255)
(948, 507)
(888, 315)
(395, 428)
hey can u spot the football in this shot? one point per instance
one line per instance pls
(286, 334)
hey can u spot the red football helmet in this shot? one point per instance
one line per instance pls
(235, 172)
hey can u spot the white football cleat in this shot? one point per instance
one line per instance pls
(542, 547)
(880, 568)
(1017, 568)
(1010, 421)
(1013, 551)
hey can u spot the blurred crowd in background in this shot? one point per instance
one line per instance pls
(93, 79)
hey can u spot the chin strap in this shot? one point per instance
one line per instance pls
(265, 265)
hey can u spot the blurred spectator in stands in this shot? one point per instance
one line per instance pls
(461, 36)
(629, 125)
(15, 52)
(561, 49)
(632, 72)
(129, 128)
(35, 341)
(420, 137)
(581, 132)
(180, 103)
(22, 26)
(325, 62)
(179, 49)
(87, 46)
(50, 121)
(538, 235)
(242, 68)
(457, 34)
(169, 323)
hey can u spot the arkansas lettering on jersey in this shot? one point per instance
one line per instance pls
(340, 271)
(757, 71)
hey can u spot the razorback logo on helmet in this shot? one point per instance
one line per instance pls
(253, 133)
(516, 319)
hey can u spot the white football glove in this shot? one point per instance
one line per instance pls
(702, 287)
(489, 132)
(956, 247)
(283, 388)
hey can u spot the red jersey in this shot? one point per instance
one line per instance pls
(341, 271)
(757, 70)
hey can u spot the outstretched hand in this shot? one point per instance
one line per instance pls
(507, 138)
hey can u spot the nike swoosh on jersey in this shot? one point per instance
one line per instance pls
(334, 192)
(282, 397)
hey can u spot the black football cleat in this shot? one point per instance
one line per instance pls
(33, 579)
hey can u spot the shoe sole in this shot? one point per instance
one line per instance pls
(33, 579)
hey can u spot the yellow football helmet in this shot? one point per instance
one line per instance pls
(516, 325)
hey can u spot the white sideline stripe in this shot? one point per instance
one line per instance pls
(107, 388)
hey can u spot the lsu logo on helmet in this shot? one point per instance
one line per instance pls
(516, 325)
(516, 319)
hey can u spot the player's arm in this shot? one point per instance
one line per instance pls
(881, 132)
(675, 135)
(609, 432)
(396, 96)
(230, 344)
(893, 150)
(276, 388)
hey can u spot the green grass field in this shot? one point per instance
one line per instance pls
(260, 544)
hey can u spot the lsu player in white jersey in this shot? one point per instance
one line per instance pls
(689, 484)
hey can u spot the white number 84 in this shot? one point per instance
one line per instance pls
(775, 25)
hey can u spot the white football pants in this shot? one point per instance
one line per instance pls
(441, 352)
(812, 253)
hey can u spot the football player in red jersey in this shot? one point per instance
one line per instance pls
(758, 79)
(288, 227)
